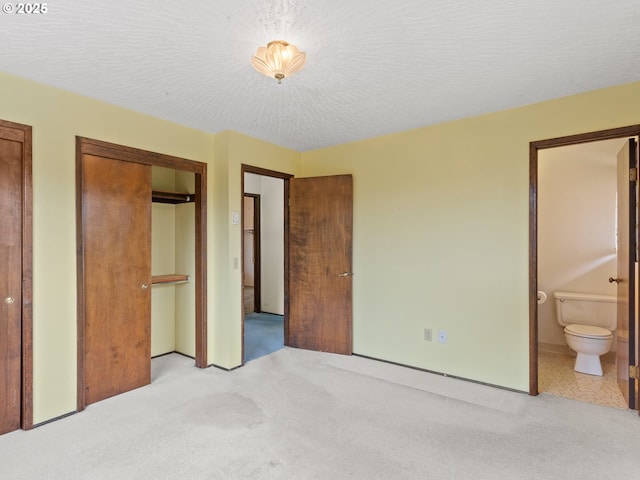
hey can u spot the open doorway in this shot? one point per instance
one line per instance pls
(574, 198)
(172, 262)
(264, 261)
(317, 231)
(577, 186)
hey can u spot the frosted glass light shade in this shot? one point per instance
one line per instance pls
(278, 59)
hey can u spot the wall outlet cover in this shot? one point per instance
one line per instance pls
(428, 335)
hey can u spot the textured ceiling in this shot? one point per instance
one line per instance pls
(373, 66)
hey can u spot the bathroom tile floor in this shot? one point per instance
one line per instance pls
(557, 377)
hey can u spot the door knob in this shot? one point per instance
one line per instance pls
(614, 280)
(144, 286)
(345, 274)
(9, 300)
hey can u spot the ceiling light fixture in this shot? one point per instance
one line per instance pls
(279, 59)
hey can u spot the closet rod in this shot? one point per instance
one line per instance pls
(172, 197)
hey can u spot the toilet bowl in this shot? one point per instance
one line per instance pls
(588, 322)
(589, 343)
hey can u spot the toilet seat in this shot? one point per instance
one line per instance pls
(588, 331)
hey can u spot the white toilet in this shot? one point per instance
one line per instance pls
(589, 321)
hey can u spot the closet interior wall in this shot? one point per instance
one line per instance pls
(173, 252)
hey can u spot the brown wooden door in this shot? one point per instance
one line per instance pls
(10, 283)
(626, 257)
(320, 260)
(116, 258)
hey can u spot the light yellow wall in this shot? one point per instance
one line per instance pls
(185, 237)
(163, 179)
(163, 248)
(163, 260)
(440, 228)
(57, 117)
(185, 293)
(441, 224)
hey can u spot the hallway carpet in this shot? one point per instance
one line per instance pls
(263, 334)
(304, 415)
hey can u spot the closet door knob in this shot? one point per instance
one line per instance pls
(612, 280)
(145, 286)
(9, 300)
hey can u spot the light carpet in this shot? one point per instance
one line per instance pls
(297, 414)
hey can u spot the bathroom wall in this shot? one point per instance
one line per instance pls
(576, 226)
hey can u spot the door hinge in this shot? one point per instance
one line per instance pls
(633, 372)
(633, 174)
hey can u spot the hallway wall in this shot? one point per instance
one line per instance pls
(271, 191)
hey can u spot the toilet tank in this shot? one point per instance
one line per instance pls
(586, 309)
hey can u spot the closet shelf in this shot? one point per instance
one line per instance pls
(172, 197)
(170, 278)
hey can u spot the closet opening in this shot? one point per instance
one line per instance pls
(141, 236)
(172, 262)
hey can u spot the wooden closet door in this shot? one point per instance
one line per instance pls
(116, 240)
(10, 283)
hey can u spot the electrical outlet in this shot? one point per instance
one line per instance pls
(442, 336)
(427, 335)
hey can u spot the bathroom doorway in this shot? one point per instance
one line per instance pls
(573, 248)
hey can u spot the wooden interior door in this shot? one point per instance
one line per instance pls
(11, 164)
(626, 257)
(320, 262)
(116, 277)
